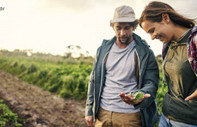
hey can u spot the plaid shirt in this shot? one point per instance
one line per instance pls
(192, 49)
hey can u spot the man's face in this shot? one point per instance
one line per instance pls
(123, 33)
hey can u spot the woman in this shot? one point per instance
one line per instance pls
(179, 37)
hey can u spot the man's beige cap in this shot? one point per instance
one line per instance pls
(123, 14)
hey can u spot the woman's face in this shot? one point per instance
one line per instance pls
(158, 30)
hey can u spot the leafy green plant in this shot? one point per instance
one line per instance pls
(7, 117)
(138, 95)
(23, 67)
(32, 69)
(14, 64)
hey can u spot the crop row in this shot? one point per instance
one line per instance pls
(67, 81)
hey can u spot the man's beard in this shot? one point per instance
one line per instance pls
(126, 42)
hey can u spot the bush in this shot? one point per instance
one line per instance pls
(14, 64)
(55, 84)
(69, 82)
(43, 74)
(23, 67)
(65, 93)
(7, 117)
(32, 69)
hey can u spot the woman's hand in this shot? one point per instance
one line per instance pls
(130, 100)
(192, 96)
(89, 121)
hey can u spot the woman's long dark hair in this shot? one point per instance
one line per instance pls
(154, 10)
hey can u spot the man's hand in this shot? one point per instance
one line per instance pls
(130, 100)
(192, 96)
(89, 121)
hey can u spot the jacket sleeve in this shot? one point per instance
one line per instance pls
(90, 93)
(150, 81)
(192, 51)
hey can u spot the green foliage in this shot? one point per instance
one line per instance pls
(32, 69)
(160, 94)
(42, 74)
(69, 82)
(7, 117)
(65, 79)
(23, 67)
(162, 89)
(138, 95)
(14, 64)
(65, 93)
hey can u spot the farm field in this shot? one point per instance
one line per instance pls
(49, 91)
(39, 108)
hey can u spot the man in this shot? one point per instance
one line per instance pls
(123, 64)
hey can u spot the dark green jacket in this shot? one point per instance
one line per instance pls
(182, 82)
(148, 80)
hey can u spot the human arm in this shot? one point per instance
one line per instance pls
(89, 121)
(89, 102)
(129, 99)
(192, 96)
(192, 53)
(90, 95)
(149, 80)
(149, 83)
(192, 50)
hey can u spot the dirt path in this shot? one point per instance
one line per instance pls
(39, 108)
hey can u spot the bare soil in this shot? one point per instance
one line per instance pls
(37, 107)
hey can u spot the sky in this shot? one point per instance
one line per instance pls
(49, 26)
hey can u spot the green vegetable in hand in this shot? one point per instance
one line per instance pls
(129, 93)
(138, 96)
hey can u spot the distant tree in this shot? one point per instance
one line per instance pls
(78, 47)
(87, 53)
(72, 51)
